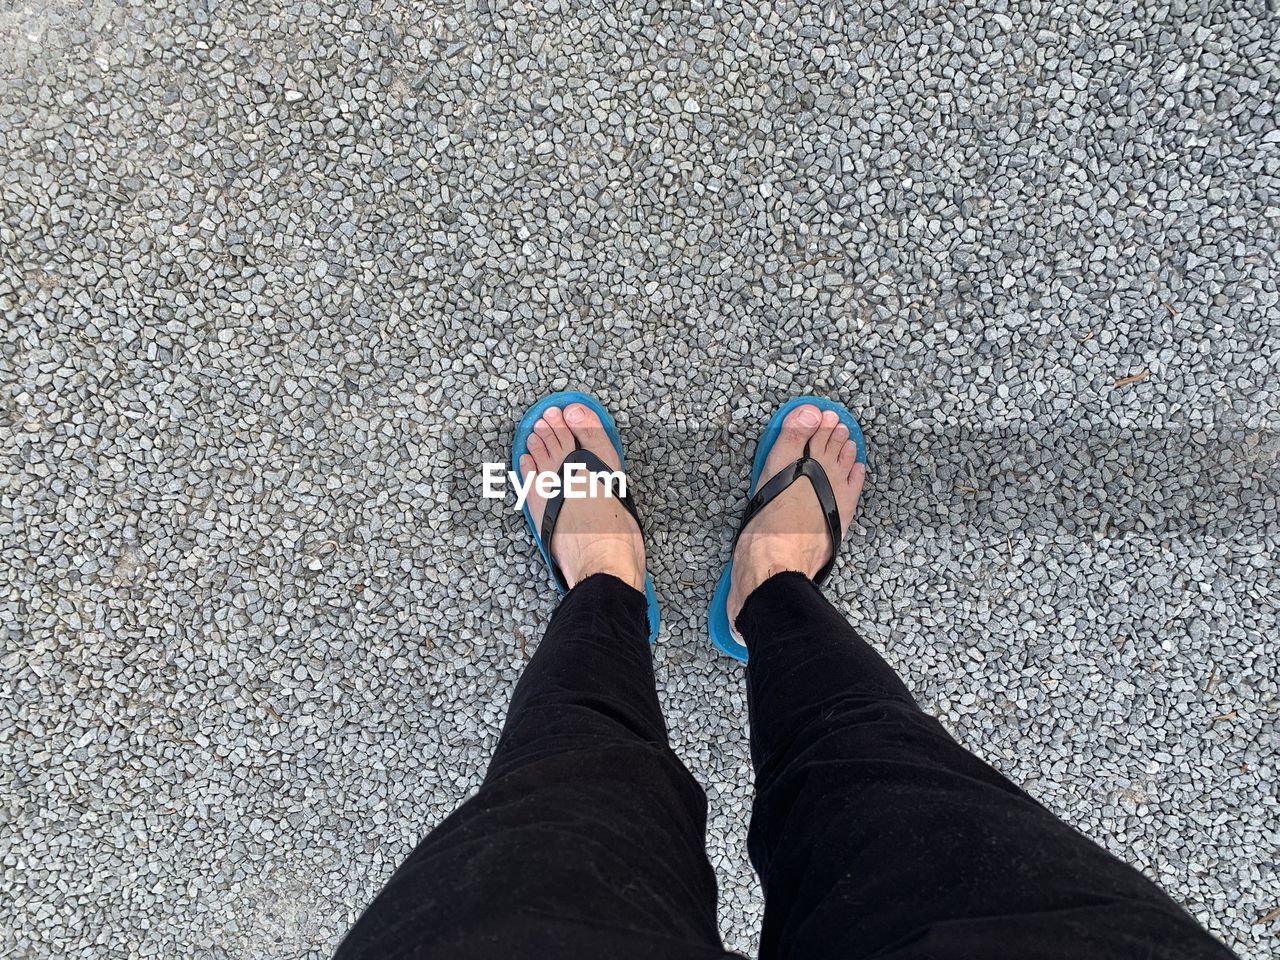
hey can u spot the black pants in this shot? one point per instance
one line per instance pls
(874, 833)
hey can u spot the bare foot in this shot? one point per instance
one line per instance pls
(790, 534)
(593, 534)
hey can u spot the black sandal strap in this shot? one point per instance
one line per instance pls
(806, 466)
(552, 513)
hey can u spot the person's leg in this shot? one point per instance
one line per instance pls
(874, 833)
(586, 838)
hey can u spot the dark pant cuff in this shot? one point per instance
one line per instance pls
(776, 604)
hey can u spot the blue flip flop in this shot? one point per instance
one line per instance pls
(521, 446)
(718, 616)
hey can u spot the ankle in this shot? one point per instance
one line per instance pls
(618, 558)
(759, 557)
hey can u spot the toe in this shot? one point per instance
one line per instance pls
(563, 437)
(542, 430)
(539, 452)
(822, 436)
(527, 466)
(839, 437)
(848, 498)
(798, 428)
(589, 433)
(848, 453)
(553, 450)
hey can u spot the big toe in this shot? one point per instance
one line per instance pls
(798, 429)
(589, 432)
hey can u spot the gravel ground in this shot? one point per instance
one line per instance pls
(274, 276)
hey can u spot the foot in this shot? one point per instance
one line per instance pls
(790, 534)
(593, 534)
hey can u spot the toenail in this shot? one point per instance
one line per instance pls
(808, 417)
(576, 414)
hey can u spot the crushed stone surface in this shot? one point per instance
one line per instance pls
(275, 276)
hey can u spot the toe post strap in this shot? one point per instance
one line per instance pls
(551, 513)
(812, 470)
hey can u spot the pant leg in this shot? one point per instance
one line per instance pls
(586, 838)
(876, 835)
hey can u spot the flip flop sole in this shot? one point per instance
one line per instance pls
(520, 446)
(718, 626)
